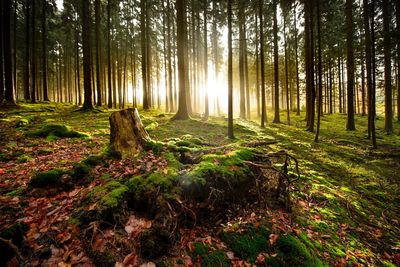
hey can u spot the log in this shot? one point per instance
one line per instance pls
(128, 135)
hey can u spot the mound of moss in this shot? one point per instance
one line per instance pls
(47, 179)
(215, 258)
(293, 252)
(55, 130)
(227, 173)
(248, 243)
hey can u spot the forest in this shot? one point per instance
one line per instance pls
(200, 133)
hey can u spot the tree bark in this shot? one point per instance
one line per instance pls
(9, 90)
(276, 64)
(350, 126)
(86, 48)
(181, 25)
(44, 52)
(388, 67)
(128, 137)
(230, 73)
(98, 51)
(262, 65)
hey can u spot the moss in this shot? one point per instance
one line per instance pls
(200, 249)
(155, 146)
(152, 126)
(93, 160)
(294, 253)
(109, 196)
(16, 192)
(55, 130)
(48, 178)
(154, 243)
(215, 258)
(80, 171)
(249, 243)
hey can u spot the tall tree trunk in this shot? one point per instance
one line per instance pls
(9, 90)
(169, 56)
(86, 49)
(388, 66)
(296, 43)
(350, 66)
(286, 69)
(144, 52)
(1, 52)
(276, 64)
(181, 26)
(230, 73)
(257, 66)
(98, 51)
(242, 114)
(110, 102)
(206, 104)
(363, 109)
(398, 57)
(33, 62)
(262, 63)
(44, 52)
(319, 72)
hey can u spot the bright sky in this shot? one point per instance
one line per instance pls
(59, 4)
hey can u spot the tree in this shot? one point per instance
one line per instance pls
(206, 105)
(230, 73)
(398, 56)
(33, 54)
(350, 66)
(143, 33)
(27, 49)
(44, 52)
(1, 52)
(181, 25)
(97, 25)
(319, 72)
(276, 64)
(86, 49)
(262, 63)
(9, 89)
(388, 66)
(110, 100)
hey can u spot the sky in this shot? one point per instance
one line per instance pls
(59, 4)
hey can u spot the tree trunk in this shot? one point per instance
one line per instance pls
(230, 73)
(86, 48)
(128, 137)
(9, 90)
(144, 52)
(398, 57)
(206, 105)
(297, 63)
(1, 52)
(44, 52)
(388, 66)
(262, 63)
(181, 25)
(242, 114)
(319, 72)
(98, 51)
(110, 102)
(33, 62)
(276, 64)
(350, 66)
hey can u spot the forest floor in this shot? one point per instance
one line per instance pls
(345, 206)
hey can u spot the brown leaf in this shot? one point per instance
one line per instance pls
(273, 238)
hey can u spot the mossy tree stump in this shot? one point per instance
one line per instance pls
(128, 135)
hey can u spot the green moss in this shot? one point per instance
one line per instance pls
(114, 198)
(16, 192)
(93, 160)
(294, 253)
(215, 258)
(200, 249)
(55, 130)
(155, 146)
(152, 126)
(48, 178)
(80, 171)
(248, 243)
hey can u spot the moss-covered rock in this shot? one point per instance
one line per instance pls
(55, 130)
(155, 243)
(80, 171)
(47, 179)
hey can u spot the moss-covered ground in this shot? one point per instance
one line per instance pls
(74, 199)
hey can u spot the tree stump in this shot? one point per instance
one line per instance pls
(128, 135)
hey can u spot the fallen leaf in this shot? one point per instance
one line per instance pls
(273, 238)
